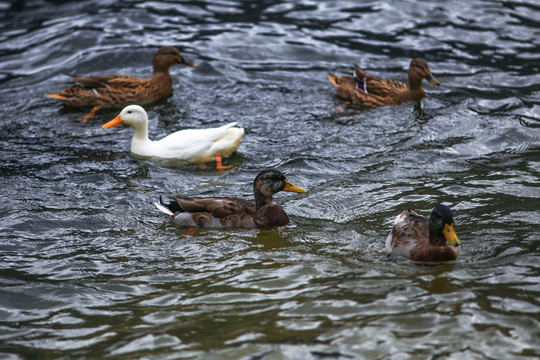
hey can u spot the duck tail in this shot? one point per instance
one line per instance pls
(230, 125)
(333, 79)
(71, 75)
(57, 96)
(164, 208)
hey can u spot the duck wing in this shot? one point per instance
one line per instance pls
(211, 211)
(376, 86)
(106, 91)
(125, 81)
(95, 82)
(200, 145)
(410, 231)
(226, 144)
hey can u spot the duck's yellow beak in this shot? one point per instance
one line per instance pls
(293, 188)
(113, 122)
(450, 235)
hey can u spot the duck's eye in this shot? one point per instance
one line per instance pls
(129, 111)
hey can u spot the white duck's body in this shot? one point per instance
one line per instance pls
(196, 146)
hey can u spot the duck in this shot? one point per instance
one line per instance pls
(371, 91)
(195, 146)
(421, 239)
(117, 91)
(215, 212)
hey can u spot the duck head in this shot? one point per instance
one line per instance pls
(132, 115)
(269, 182)
(166, 57)
(419, 70)
(441, 227)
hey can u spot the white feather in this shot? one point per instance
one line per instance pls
(164, 209)
(196, 146)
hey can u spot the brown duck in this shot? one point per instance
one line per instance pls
(371, 91)
(117, 91)
(423, 239)
(208, 212)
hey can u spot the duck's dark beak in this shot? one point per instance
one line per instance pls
(113, 122)
(184, 62)
(293, 188)
(431, 79)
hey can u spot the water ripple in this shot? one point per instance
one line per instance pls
(89, 268)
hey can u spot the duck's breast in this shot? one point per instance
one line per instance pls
(271, 215)
(430, 253)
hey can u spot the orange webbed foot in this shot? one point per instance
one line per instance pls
(341, 107)
(91, 114)
(219, 164)
(189, 233)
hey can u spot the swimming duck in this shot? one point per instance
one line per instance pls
(234, 212)
(117, 91)
(370, 91)
(196, 146)
(423, 239)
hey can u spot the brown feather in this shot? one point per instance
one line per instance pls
(381, 92)
(117, 91)
(411, 237)
(236, 212)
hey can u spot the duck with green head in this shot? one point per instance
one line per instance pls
(423, 239)
(207, 212)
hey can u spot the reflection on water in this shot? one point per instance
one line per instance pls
(90, 269)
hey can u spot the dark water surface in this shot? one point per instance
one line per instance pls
(90, 269)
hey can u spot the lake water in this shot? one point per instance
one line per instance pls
(90, 269)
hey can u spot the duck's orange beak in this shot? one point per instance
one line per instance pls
(289, 186)
(113, 122)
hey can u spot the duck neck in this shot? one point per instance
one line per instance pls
(415, 83)
(163, 82)
(436, 236)
(140, 143)
(268, 214)
(161, 68)
(261, 200)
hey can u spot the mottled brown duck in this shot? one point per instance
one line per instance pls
(207, 212)
(423, 239)
(117, 91)
(371, 91)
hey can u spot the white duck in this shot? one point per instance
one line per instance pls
(196, 146)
